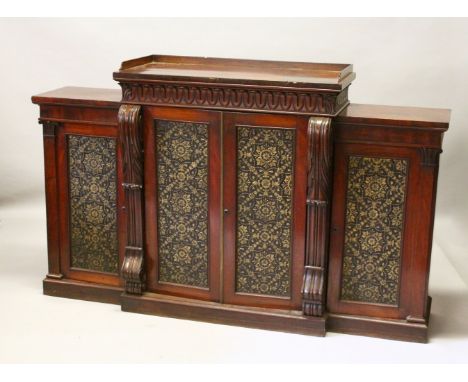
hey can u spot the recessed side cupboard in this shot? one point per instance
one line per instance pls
(242, 192)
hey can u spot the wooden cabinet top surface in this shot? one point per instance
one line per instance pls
(73, 95)
(354, 113)
(396, 115)
(334, 77)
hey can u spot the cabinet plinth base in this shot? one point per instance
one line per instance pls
(400, 330)
(82, 290)
(250, 317)
(258, 318)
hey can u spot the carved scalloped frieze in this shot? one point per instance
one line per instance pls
(289, 101)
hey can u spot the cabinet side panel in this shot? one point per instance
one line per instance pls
(84, 223)
(52, 207)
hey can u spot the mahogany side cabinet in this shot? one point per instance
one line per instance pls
(242, 192)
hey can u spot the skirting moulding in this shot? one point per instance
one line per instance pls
(242, 192)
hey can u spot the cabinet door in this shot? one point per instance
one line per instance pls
(183, 206)
(89, 166)
(378, 263)
(264, 182)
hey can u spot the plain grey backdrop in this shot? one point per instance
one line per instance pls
(408, 62)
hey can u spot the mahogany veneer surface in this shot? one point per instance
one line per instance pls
(244, 106)
(236, 71)
(74, 95)
(392, 115)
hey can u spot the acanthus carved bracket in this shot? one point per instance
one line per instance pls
(318, 195)
(130, 139)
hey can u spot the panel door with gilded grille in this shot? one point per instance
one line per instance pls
(183, 211)
(88, 172)
(264, 209)
(371, 263)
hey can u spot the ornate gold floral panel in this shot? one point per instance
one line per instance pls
(265, 167)
(182, 175)
(375, 203)
(93, 204)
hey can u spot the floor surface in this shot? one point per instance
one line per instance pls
(38, 328)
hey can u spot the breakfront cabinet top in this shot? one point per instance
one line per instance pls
(73, 95)
(409, 117)
(167, 168)
(416, 117)
(236, 71)
(236, 85)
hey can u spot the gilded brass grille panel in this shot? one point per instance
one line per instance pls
(93, 205)
(265, 167)
(376, 193)
(182, 174)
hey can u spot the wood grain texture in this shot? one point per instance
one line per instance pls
(319, 158)
(229, 84)
(227, 93)
(213, 120)
(250, 317)
(400, 117)
(416, 238)
(131, 142)
(81, 290)
(400, 330)
(80, 96)
(83, 115)
(230, 222)
(52, 207)
(237, 71)
(208, 96)
(64, 197)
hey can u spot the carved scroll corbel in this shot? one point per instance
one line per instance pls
(320, 147)
(130, 139)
